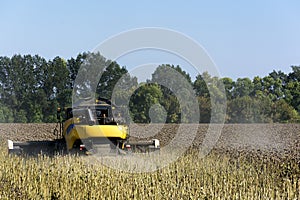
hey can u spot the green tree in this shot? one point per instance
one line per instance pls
(280, 84)
(178, 95)
(73, 66)
(20, 116)
(111, 75)
(257, 87)
(205, 109)
(59, 79)
(146, 96)
(240, 110)
(6, 115)
(229, 85)
(88, 81)
(33, 103)
(243, 87)
(215, 90)
(200, 86)
(292, 89)
(283, 112)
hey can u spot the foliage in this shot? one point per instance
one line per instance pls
(247, 109)
(146, 96)
(31, 89)
(178, 93)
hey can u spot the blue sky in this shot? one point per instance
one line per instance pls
(244, 38)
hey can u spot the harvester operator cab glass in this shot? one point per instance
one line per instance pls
(81, 116)
(95, 115)
(104, 115)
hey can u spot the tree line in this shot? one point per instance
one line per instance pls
(32, 88)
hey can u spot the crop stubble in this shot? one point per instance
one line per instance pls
(220, 175)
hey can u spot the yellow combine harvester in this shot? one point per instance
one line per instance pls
(88, 129)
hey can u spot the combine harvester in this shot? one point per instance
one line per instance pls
(88, 128)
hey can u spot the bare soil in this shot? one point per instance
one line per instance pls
(275, 139)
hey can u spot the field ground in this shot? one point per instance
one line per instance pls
(279, 139)
(250, 161)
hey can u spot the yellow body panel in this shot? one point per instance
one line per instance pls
(73, 131)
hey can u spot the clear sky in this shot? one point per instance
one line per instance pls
(244, 38)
